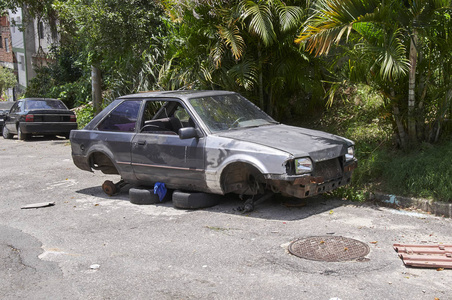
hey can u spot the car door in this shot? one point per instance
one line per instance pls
(160, 155)
(114, 134)
(13, 117)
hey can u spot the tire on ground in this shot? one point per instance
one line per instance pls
(21, 136)
(144, 196)
(6, 134)
(194, 200)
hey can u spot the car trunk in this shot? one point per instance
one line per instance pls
(51, 115)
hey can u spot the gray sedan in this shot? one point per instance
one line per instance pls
(210, 141)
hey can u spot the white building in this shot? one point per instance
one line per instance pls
(31, 41)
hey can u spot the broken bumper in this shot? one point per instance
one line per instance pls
(306, 186)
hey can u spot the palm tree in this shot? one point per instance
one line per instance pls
(250, 46)
(387, 31)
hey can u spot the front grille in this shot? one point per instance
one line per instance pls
(328, 169)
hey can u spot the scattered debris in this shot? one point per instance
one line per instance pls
(38, 205)
(426, 256)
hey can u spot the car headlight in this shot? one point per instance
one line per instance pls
(350, 153)
(303, 165)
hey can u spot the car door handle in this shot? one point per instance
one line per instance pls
(141, 143)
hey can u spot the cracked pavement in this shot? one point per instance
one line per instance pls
(92, 246)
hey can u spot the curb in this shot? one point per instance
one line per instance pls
(437, 208)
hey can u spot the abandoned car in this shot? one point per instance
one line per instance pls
(213, 142)
(38, 116)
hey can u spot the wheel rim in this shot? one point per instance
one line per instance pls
(109, 188)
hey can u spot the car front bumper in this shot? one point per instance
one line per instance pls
(307, 186)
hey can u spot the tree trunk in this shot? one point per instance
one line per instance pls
(412, 90)
(96, 89)
(400, 130)
(261, 80)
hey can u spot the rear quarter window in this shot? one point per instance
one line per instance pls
(123, 118)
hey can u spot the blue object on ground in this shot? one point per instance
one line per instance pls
(160, 190)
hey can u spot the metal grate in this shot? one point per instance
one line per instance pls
(329, 169)
(329, 248)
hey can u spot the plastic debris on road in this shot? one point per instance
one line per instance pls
(38, 205)
(160, 190)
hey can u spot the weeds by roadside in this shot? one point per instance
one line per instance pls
(422, 172)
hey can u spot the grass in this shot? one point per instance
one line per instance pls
(423, 172)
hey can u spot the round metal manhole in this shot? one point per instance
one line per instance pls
(329, 248)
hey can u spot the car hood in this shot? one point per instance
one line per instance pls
(297, 141)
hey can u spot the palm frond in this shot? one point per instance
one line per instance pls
(245, 73)
(289, 16)
(332, 19)
(260, 21)
(232, 39)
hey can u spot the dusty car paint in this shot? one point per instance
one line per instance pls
(244, 160)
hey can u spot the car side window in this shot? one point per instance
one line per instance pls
(16, 107)
(164, 117)
(123, 118)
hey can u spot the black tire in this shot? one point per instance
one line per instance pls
(194, 200)
(20, 135)
(142, 196)
(6, 134)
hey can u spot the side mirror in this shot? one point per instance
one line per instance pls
(188, 133)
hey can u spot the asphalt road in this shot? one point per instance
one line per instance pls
(92, 246)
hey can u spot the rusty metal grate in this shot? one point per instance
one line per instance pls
(329, 248)
(329, 169)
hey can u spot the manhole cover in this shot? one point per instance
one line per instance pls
(329, 248)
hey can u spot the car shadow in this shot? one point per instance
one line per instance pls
(276, 208)
(97, 191)
(282, 208)
(44, 138)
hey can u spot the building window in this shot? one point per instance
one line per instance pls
(22, 63)
(41, 30)
(6, 45)
(1, 42)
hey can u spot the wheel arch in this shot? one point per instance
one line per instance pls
(102, 160)
(240, 176)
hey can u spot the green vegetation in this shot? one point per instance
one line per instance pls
(423, 171)
(7, 79)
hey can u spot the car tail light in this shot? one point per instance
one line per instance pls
(73, 118)
(29, 118)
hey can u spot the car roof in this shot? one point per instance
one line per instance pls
(183, 94)
(41, 99)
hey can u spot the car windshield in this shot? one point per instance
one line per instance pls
(228, 112)
(44, 104)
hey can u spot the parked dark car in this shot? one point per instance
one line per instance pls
(38, 116)
(5, 106)
(3, 113)
(210, 141)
